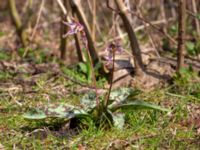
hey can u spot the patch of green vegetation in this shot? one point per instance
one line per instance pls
(2, 33)
(81, 75)
(193, 48)
(4, 55)
(141, 36)
(186, 82)
(37, 56)
(5, 75)
(73, 73)
(173, 30)
(147, 129)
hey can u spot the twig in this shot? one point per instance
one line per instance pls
(36, 26)
(143, 19)
(62, 7)
(155, 27)
(192, 14)
(149, 34)
(93, 11)
(139, 28)
(196, 20)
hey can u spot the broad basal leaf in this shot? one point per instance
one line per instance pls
(119, 96)
(60, 111)
(118, 120)
(88, 101)
(139, 105)
(55, 111)
(35, 114)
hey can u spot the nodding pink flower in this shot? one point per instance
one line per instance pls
(112, 48)
(74, 26)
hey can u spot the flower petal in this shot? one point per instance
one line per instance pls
(70, 32)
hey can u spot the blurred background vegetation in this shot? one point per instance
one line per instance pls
(160, 57)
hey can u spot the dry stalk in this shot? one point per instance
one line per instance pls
(139, 66)
(181, 33)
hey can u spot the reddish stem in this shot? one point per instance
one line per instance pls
(112, 75)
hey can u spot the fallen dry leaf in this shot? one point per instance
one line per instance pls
(1, 147)
(81, 147)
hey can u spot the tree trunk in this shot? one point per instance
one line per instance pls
(63, 30)
(181, 33)
(194, 6)
(17, 21)
(139, 67)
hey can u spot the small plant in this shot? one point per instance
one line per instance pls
(4, 55)
(193, 48)
(184, 76)
(120, 101)
(103, 109)
(173, 30)
(186, 81)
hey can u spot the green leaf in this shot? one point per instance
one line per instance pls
(64, 111)
(198, 16)
(35, 114)
(56, 111)
(88, 66)
(197, 47)
(190, 47)
(89, 72)
(72, 73)
(121, 95)
(98, 66)
(88, 101)
(83, 67)
(2, 33)
(139, 105)
(4, 55)
(60, 111)
(118, 120)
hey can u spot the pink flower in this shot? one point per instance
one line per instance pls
(112, 48)
(74, 26)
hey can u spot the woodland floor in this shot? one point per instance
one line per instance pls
(38, 80)
(28, 85)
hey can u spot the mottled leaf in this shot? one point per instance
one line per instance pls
(60, 111)
(118, 120)
(119, 96)
(35, 114)
(55, 111)
(88, 101)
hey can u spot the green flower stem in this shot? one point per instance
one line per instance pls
(93, 74)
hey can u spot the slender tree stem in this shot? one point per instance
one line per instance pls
(194, 6)
(181, 34)
(139, 66)
(18, 23)
(94, 20)
(63, 30)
